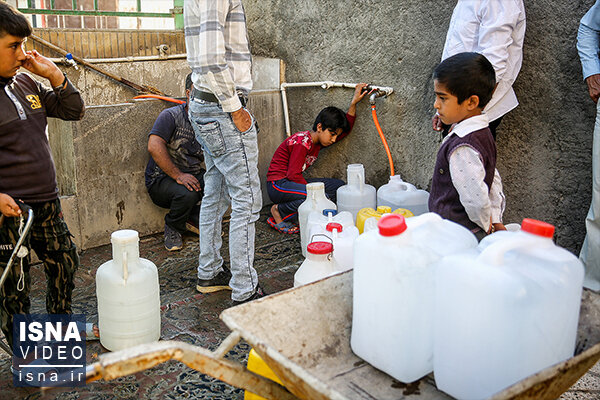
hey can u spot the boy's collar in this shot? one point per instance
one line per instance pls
(471, 124)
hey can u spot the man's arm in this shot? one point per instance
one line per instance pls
(587, 46)
(8, 206)
(157, 147)
(63, 101)
(206, 41)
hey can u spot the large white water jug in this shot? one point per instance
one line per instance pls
(399, 194)
(506, 313)
(317, 265)
(356, 195)
(439, 235)
(343, 237)
(393, 297)
(315, 201)
(128, 295)
(321, 219)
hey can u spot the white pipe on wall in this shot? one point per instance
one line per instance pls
(384, 90)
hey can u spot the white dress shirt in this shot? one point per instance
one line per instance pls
(496, 29)
(468, 172)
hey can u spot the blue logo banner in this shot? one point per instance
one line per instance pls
(49, 350)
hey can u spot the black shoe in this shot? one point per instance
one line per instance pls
(257, 295)
(219, 282)
(173, 239)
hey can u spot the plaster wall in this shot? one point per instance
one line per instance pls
(544, 145)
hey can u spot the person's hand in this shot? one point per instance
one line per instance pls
(360, 92)
(40, 65)
(242, 119)
(189, 181)
(8, 206)
(499, 226)
(593, 83)
(436, 122)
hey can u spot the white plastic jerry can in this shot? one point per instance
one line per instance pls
(399, 194)
(392, 315)
(356, 195)
(315, 201)
(317, 265)
(128, 295)
(442, 236)
(506, 313)
(343, 237)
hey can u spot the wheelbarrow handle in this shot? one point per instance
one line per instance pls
(25, 208)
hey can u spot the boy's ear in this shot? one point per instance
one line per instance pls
(472, 102)
(319, 127)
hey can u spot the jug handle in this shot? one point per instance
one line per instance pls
(362, 182)
(494, 254)
(125, 271)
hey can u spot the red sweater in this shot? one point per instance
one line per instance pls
(297, 153)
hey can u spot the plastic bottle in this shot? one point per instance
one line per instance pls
(356, 195)
(128, 295)
(368, 212)
(399, 194)
(441, 236)
(343, 237)
(317, 265)
(506, 313)
(315, 201)
(393, 297)
(321, 219)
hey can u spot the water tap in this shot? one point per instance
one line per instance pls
(70, 61)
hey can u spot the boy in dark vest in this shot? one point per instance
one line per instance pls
(466, 187)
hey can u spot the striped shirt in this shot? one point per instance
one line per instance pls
(218, 50)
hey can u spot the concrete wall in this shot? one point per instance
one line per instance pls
(101, 159)
(544, 145)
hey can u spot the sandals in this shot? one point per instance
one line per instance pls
(283, 226)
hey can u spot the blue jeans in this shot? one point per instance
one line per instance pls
(231, 178)
(590, 251)
(289, 195)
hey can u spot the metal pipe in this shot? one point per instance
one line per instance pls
(379, 91)
(124, 59)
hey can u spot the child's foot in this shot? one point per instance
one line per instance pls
(283, 226)
(275, 213)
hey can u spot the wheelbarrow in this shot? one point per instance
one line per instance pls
(303, 334)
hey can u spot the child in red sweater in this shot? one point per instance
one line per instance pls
(285, 184)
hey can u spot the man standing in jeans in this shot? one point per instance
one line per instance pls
(219, 55)
(588, 45)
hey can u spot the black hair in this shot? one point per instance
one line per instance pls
(188, 81)
(332, 118)
(467, 74)
(12, 22)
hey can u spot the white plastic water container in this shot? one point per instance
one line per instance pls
(128, 295)
(440, 235)
(315, 201)
(343, 238)
(399, 194)
(356, 195)
(393, 298)
(506, 313)
(317, 265)
(321, 219)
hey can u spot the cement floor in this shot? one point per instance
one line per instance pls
(187, 316)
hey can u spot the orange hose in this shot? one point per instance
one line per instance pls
(385, 145)
(155, 96)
